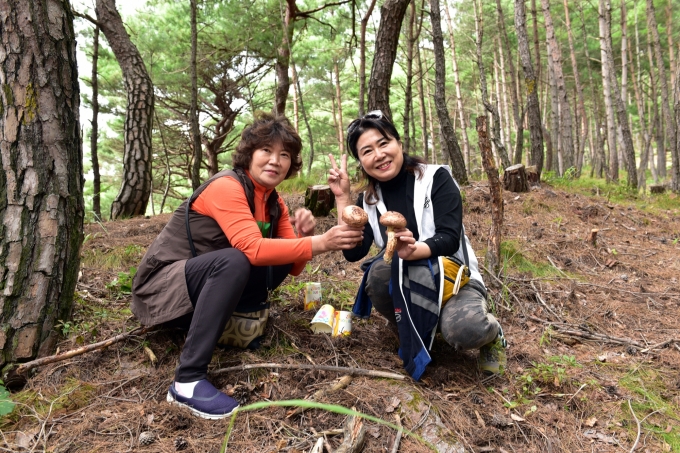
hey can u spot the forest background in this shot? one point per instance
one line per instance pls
(239, 51)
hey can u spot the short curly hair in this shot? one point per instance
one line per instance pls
(265, 130)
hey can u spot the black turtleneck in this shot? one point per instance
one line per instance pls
(397, 195)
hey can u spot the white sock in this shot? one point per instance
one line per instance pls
(186, 389)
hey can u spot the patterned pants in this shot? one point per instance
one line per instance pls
(464, 321)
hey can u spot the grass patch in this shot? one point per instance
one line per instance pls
(116, 259)
(513, 259)
(71, 395)
(615, 192)
(650, 388)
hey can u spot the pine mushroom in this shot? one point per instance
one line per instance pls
(391, 220)
(354, 216)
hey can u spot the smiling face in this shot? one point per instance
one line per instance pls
(381, 157)
(269, 165)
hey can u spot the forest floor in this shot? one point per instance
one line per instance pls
(593, 357)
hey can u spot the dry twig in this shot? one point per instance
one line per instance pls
(82, 350)
(341, 384)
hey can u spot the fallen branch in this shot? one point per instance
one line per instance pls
(639, 430)
(503, 285)
(355, 434)
(341, 384)
(24, 367)
(397, 439)
(338, 369)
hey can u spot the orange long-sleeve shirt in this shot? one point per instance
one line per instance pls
(225, 201)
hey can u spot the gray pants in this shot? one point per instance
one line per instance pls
(464, 321)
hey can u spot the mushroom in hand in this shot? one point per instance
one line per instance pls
(354, 216)
(391, 220)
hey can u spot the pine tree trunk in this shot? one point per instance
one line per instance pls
(431, 121)
(94, 134)
(670, 127)
(41, 203)
(601, 163)
(607, 83)
(537, 44)
(421, 104)
(495, 136)
(282, 64)
(565, 119)
(195, 133)
(459, 98)
(362, 58)
(135, 190)
(338, 96)
(640, 104)
(658, 123)
(449, 141)
(305, 118)
(408, 91)
(579, 91)
(386, 40)
(553, 151)
(531, 82)
(514, 97)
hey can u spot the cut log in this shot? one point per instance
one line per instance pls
(355, 434)
(320, 200)
(592, 236)
(532, 176)
(657, 188)
(515, 179)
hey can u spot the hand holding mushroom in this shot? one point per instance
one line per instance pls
(354, 216)
(392, 220)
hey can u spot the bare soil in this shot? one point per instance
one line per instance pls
(562, 392)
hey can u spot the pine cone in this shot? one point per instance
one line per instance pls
(146, 438)
(181, 443)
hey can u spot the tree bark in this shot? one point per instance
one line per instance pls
(537, 46)
(41, 202)
(493, 254)
(135, 189)
(391, 15)
(531, 82)
(658, 123)
(565, 120)
(362, 58)
(449, 141)
(94, 134)
(305, 118)
(500, 148)
(195, 133)
(670, 126)
(459, 97)
(607, 83)
(579, 92)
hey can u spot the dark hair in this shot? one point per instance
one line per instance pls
(265, 130)
(385, 127)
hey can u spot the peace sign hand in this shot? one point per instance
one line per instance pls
(338, 179)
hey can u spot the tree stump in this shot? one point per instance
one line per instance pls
(515, 179)
(532, 176)
(320, 200)
(657, 188)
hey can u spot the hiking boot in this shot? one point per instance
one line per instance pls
(206, 402)
(492, 357)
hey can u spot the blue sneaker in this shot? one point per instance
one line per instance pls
(207, 402)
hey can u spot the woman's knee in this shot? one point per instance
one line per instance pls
(231, 263)
(465, 322)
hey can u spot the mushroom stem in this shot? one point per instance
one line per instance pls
(391, 245)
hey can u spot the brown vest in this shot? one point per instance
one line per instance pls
(159, 290)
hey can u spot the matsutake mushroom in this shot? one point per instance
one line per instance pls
(354, 216)
(391, 220)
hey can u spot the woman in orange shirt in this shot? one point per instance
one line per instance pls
(223, 250)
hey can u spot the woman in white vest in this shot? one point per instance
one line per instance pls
(429, 198)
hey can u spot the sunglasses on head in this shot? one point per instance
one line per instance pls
(372, 115)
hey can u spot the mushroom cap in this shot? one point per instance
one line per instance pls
(354, 216)
(393, 219)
